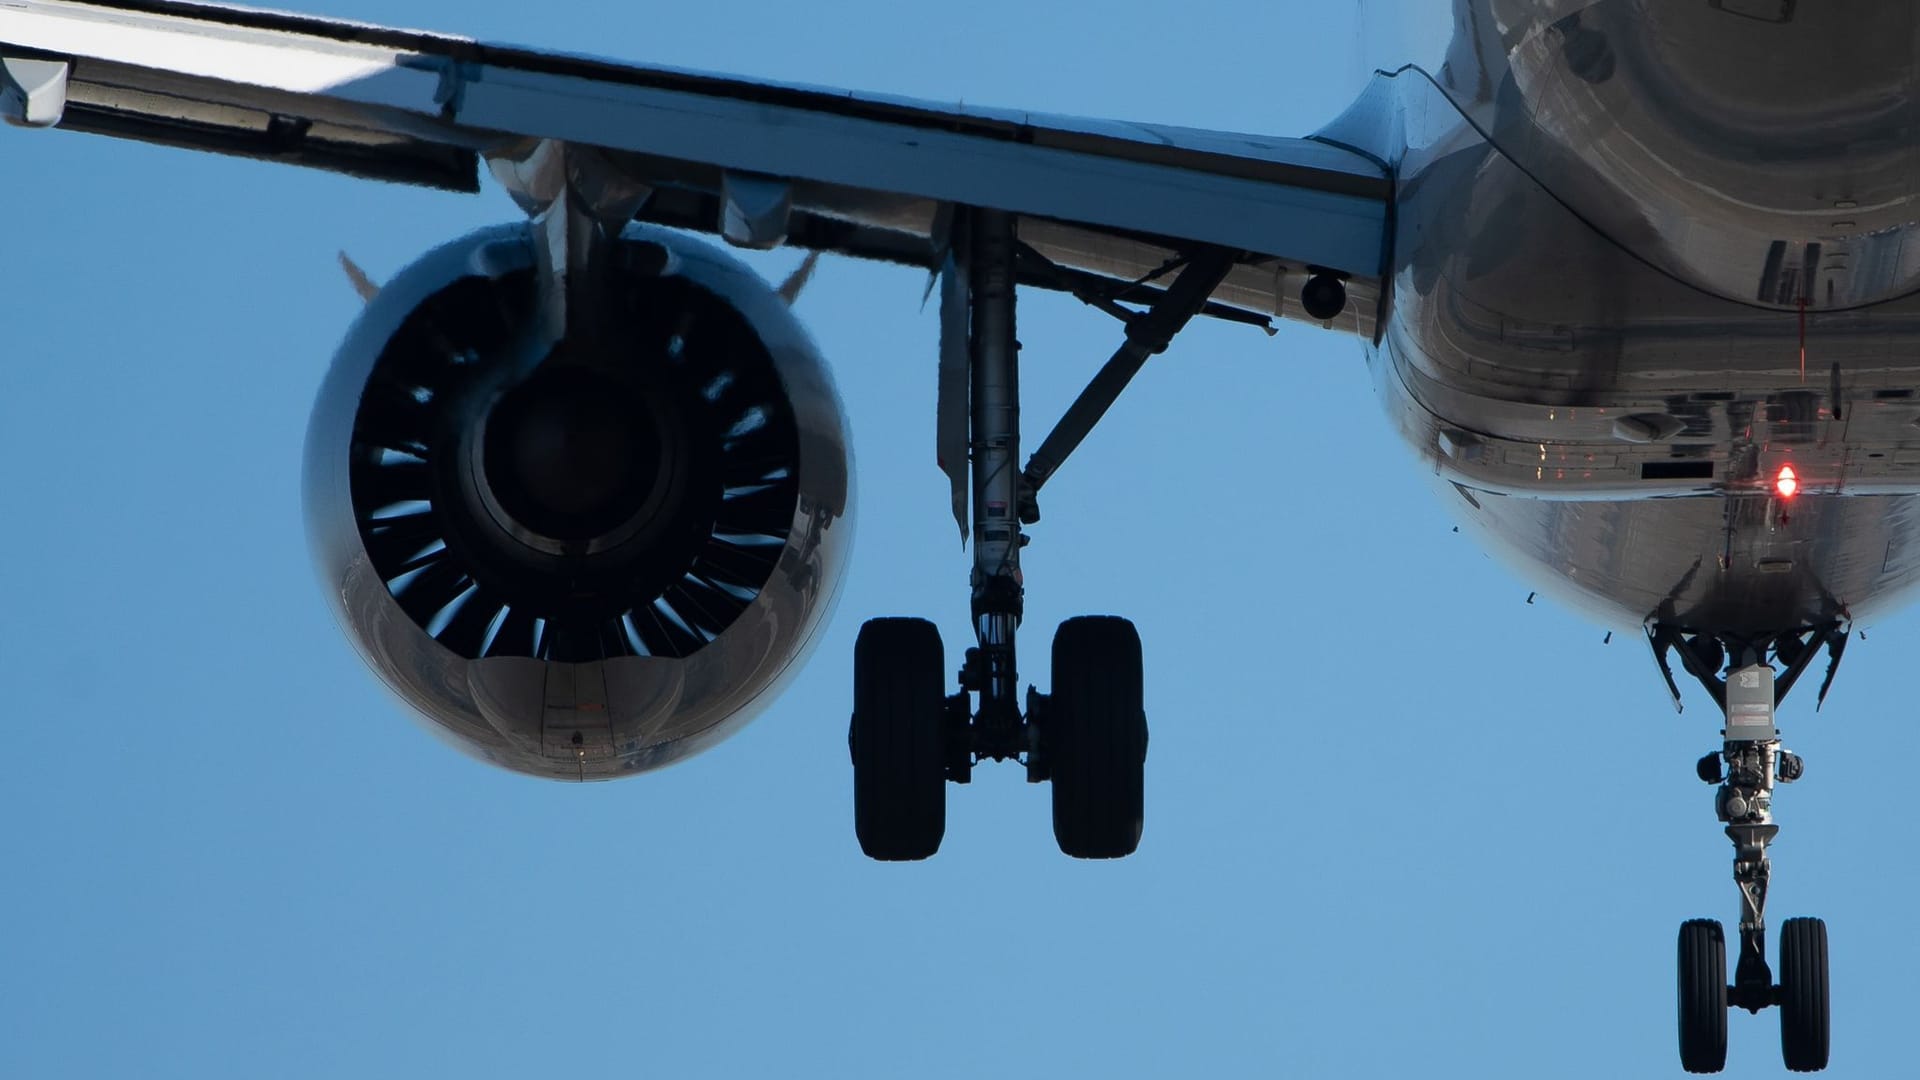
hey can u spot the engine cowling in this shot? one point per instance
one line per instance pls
(597, 560)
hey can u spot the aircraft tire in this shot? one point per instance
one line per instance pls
(1703, 996)
(1805, 1026)
(897, 739)
(1095, 728)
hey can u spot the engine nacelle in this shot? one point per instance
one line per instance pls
(593, 561)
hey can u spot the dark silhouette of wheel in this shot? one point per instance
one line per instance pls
(898, 739)
(1804, 1016)
(1095, 732)
(1703, 996)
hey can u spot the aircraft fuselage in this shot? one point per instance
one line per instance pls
(1645, 258)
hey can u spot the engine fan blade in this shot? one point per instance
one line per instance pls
(466, 632)
(727, 563)
(767, 511)
(396, 545)
(664, 634)
(653, 320)
(716, 607)
(515, 636)
(379, 487)
(430, 591)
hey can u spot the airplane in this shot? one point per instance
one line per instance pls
(579, 484)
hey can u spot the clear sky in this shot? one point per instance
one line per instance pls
(1400, 822)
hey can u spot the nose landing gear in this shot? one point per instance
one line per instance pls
(1747, 769)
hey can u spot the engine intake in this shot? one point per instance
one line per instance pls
(588, 558)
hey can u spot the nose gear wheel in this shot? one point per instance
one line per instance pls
(1703, 996)
(1804, 1019)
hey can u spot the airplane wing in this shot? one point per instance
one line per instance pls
(1106, 209)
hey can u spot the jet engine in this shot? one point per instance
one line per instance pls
(590, 557)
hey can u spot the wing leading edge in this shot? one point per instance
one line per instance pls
(1107, 206)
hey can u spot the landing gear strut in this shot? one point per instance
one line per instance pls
(1089, 736)
(1747, 768)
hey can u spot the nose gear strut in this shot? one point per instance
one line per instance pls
(1749, 765)
(1752, 758)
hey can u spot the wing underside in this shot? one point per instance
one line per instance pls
(1107, 209)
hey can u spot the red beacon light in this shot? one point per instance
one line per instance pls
(1786, 483)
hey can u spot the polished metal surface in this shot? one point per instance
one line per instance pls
(1765, 150)
(610, 717)
(1598, 402)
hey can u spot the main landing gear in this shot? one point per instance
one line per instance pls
(1747, 768)
(909, 736)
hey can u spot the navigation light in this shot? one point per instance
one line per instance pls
(1787, 483)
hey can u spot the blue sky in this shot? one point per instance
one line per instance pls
(1398, 818)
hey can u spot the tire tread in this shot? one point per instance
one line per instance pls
(1703, 996)
(1097, 738)
(897, 739)
(1805, 1008)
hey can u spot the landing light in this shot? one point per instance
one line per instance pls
(1787, 483)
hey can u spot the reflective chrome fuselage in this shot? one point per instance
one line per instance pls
(1645, 256)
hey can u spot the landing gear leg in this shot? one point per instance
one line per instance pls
(1089, 737)
(999, 591)
(1747, 768)
(908, 736)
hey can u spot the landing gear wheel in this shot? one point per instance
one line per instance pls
(1804, 1027)
(1095, 735)
(898, 739)
(1703, 996)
